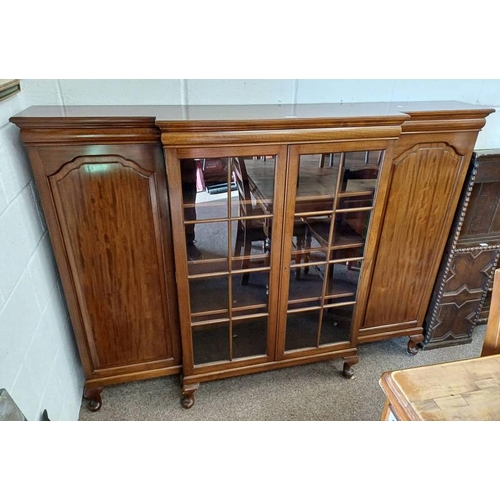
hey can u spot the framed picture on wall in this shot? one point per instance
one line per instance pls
(9, 88)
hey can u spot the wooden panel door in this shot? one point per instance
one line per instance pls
(106, 209)
(425, 185)
(111, 220)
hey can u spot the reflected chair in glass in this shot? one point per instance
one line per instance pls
(256, 229)
(249, 229)
(355, 226)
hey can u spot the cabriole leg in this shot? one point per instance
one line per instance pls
(349, 362)
(94, 396)
(188, 391)
(412, 347)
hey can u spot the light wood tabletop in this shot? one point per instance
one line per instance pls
(459, 390)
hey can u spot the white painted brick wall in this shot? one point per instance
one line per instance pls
(39, 365)
(38, 361)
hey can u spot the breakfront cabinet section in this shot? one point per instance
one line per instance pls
(276, 276)
(108, 217)
(428, 171)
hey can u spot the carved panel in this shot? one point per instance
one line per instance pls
(108, 212)
(415, 228)
(454, 315)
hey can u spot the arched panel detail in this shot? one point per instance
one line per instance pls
(419, 212)
(418, 148)
(94, 161)
(109, 216)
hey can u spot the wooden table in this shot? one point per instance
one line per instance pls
(460, 390)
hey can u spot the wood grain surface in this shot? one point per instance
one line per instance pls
(461, 390)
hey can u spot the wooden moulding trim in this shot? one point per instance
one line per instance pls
(278, 124)
(226, 373)
(444, 125)
(78, 122)
(389, 327)
(174, 139)
(99, 379)
(52, 136)
(456, 114)
(370, 337)
(139, 367)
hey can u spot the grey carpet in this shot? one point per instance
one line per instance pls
(315, 392)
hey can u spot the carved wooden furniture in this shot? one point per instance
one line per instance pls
(114, 204)
(462, 291)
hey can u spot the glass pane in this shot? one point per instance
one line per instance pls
(209, 294)
(336, 325)
(344, 278)
(205, 188)
(309, 286)
(207, 247)
(347, 242)
(210, 343)
(250, 337)
(355, 201)
(250, 292)
(254, 180)
(315, 185)
(302, 330)
(318, 232)
(252, 238)
(360, 171)
(350, 228)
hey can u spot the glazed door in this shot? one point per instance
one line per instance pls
(330, 201)
(226, 230)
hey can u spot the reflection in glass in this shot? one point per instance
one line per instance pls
(250, 337)
(350, 228)
(252, 238)
(315, 185)
(211, 247)
(334, 201)
(209, 294)
(210, 343)
(254, 179)
(228, 205)
(309, 286)
(356, 201)
(302, 330)
(336, 325)
(251, 295)
(360, 171)
(344, 278)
